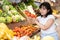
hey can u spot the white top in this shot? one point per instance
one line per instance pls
(44, 20)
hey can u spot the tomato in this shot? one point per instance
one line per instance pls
(28, 13)
(29, 33)
(33, 16)
(25, 30)
(19, 35)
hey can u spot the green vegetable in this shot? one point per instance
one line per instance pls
(14, 12)
(9, 13)
(16, 18)
(1, 13)
(34, 6)
(30, 2)
(6, 2)
(2, 20)
(5, 8)
(21, 17)
(11, 7)
(4, 14)
(8, 19)
(22, 6)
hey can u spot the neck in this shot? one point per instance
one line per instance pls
(44, 16)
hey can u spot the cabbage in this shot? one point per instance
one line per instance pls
(14, 12)
(4, 14)
(11, 7)
(2, 20)
(10, 13)
(5, 8)
(8, 19)
(16, 18)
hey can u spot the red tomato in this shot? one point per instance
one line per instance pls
(32, 15)
(19, 35)
(29, 33)
(28, 13)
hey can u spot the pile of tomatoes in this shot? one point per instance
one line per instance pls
(30, 14)
(19, 32)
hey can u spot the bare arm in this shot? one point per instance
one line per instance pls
(47, 25)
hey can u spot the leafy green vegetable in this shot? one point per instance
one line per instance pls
(1, 13)
(8, 19)
(30, 2)
(2, 20)
(22, 6)
(5, 8)
(6, 2)
(16, 18)
(11, 7)
(4, 14)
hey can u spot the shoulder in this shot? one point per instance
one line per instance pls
(51, 17)
(39, 17)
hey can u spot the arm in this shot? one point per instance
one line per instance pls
(47, 25)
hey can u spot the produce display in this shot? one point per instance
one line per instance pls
(27, 10)
(25, 30)
(30, 2)
(22, 6)
(17, 33)
(13, 13)
(5, 32)
(6, 2)
(29, 14)
(9, 14)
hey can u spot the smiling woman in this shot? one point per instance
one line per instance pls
(46, 21)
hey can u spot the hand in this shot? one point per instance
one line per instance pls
(36, 22)
(33, 20)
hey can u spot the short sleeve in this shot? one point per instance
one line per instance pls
(51, 17)
(38, 18)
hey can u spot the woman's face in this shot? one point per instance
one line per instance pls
(43, 10)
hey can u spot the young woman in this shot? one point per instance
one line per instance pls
(46, 21)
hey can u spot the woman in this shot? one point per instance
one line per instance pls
(46, 21)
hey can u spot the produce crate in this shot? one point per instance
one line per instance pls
(19, 24)
(37, 31)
